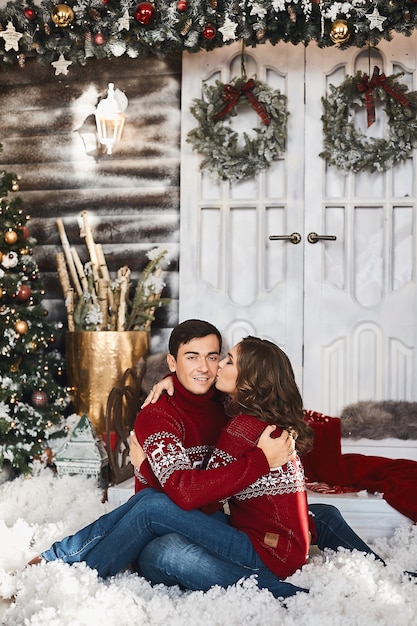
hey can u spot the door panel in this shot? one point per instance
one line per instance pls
(360, 293)
(231, 273)
(344, 310)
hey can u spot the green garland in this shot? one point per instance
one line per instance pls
(217, 143)
(349, 149)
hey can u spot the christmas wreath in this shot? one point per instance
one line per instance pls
(346, 147)
(217, 143)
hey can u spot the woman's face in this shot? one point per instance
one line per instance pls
(227, 372)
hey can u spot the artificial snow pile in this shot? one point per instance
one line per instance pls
(345, 588)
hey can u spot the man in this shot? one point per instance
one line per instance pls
(180, 431)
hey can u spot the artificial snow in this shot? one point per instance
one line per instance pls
(346, 589)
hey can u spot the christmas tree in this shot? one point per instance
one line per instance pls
(33, 399)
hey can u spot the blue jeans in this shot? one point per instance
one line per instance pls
(174, 560)
(117, 539)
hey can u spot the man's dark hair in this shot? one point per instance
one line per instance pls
(188, 330)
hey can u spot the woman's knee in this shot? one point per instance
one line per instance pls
(325, 512)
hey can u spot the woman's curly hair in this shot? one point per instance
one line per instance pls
(266, 388)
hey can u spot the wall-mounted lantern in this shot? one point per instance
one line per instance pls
(110, 117)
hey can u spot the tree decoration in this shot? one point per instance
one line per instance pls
(346, 147)
(23, 293)
(339, 32)
(62, 15)
(29, 13)
(10, 236)
(144, 13)
(11, 37)
(209, 32)
(39, 398)
(99, 39)
(9, 259)
(217, 143)
(21, 327)
(47, 30)
(61, 66)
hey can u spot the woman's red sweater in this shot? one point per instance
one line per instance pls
(273, 510)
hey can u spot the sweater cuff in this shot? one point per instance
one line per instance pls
(260, 461)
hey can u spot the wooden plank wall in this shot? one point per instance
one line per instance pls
(47, 130)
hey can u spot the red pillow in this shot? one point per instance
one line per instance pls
(325, 463)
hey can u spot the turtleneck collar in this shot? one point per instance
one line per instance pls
(195, 400)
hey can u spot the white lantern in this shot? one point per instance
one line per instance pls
(110, 117)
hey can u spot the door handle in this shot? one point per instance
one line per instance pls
(293, 238)
(314, 237)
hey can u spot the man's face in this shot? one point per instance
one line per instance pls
(196, 364)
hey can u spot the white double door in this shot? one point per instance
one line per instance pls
(344, 309)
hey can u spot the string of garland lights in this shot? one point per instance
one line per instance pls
(74, 31)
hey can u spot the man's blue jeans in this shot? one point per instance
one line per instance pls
(174, 560)
(117, 539)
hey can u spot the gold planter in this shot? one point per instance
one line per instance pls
(96, 362)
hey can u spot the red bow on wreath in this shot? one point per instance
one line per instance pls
(231, 97)
(368, 86)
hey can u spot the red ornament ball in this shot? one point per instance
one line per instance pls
(182, 5)
(23, 293)
(24, 230)
(209, 32)
(144, 13)
(99, 39)
(29, 14)
(39, 398)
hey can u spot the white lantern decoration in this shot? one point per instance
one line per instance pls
(110, 117)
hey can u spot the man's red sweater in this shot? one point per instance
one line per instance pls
(178, 434)
(272, 510)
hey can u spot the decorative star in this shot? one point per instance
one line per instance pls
(11, 37)
(376, 19)
(259, 10)
(228, 30)
(124, 21)
(61, 66)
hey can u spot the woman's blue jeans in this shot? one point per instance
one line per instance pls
(174, 560)
(117, 539)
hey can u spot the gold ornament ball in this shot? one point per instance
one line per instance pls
(339, 32)
(10, 237)
(21, 327)
(15, 186)
(62, 15)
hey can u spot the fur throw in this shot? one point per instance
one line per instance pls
(152, 370)
(379, 420)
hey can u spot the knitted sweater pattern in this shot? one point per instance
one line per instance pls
(178, 435)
